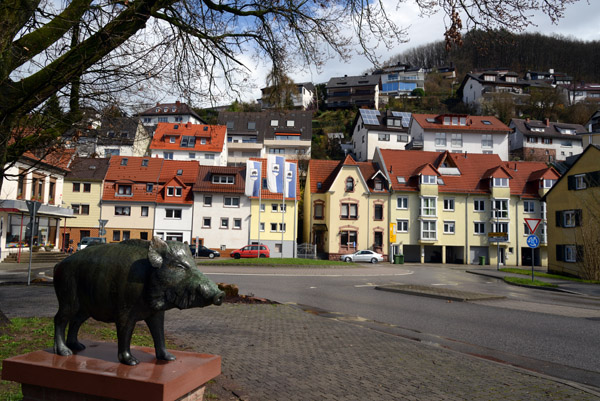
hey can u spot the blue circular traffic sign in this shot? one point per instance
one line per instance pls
(533, 241)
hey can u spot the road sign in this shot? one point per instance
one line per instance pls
(392, 233)
(101, 232)
(533, 224)
(33, 207)
(533, 241)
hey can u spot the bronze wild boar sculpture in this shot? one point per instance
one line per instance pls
(124, 283)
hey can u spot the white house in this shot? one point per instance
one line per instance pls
(372, 129)
(544, 140)
(221, 217)
(205, 144)
(459, 133)
(481, 87)
(169, 113)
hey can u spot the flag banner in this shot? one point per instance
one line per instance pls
(253, 174)
(291, 172)
(275, 173)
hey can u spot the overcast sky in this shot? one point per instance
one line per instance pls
(581, 21)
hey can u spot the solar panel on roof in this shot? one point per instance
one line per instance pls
(369, 116)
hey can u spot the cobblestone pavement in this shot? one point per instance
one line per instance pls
(279, 352)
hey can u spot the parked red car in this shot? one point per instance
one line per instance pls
(251, 251)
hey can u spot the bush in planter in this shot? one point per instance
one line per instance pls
(49, 247)
(36, 248)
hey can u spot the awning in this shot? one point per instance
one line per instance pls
(320, 227)
(19, 206)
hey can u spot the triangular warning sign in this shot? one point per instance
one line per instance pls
(533, 224)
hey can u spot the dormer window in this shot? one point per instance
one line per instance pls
(319, 185)
(174, 191)
(171, 139)
(500, 182)
(157, 109)
(378, 185)
(274, 123)
(123, 162)
(188, 141)
(149, 187)
(202, 141)
(222, 179)
(230, 125)
(349, 184)
(251, 125)
(166, 109)
(547, 184)
(173, 109)
(144, 162)
(124, 190)
(446, 121)
(428, 179)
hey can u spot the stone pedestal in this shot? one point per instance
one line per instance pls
(95, 374)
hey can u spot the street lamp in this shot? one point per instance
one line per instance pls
(496, 212)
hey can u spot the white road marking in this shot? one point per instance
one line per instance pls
(306, 275)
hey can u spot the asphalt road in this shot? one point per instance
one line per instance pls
(545, 331)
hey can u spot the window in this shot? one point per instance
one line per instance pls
(348, 239)
(116, 235)
(402, 202)
(378, 186)
(570, 253)
(500, 227)
(222, 179)
(500, 182)
(548, 183)
(500, 208)
(278, 227)
(529, 206)
(401, 226)
(191, 155)
(126, 235)
(144, 211)
(188, 141)
(203, 140)
(149, 187)
(349, 211)
(378, 212)
(402, 138)
(456, 140)
(428, 229)
(124, 162)
(274, 123)
(209, 156)
(173, 213)
(428, 206)
(163, 119)
(208, 200)
(122, 211)
(87, 187)
(124, 190)
(85, 209)
(349, 184)
(384, 137)
(230, 125)
(75, 208)
(569, 218)
(206, 222)
(144, 235)
(479, 227)
(275, 207)
(548, 141)
(276, 151)
(168, 155)
(318, 211)
(262, 207)
(486, 141)
(172, 139)
(174, 191)
(449, 227)
(428, 179)
(526, 230)
(290, 123)
(262, 227)
(531, 139)
(224, 222)
(230, 201)
(479, 205)
(440, 139)
(580, 181)
(251, 125)
(449, 204)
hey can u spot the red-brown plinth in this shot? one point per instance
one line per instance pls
(96, 371)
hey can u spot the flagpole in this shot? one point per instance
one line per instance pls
(259, 208)
(294, 232)
(283, 210)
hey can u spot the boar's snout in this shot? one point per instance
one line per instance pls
(218, 299)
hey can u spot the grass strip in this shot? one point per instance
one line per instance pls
(524, 281)
(527, 272)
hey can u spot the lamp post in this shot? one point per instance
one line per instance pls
(496, 212)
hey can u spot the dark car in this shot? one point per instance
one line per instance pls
(204, 251)
(251, 251)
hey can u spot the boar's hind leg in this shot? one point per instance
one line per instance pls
(156, 324)
(60, 324)
(74, 325)
(125, 328)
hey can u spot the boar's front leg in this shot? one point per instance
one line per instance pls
(156, 324)
(125, 325)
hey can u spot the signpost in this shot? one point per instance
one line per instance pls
(532, 240)
(33, 207)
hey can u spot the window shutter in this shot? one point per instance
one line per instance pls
(571, 183)
(577, 217)
(560, 253)
(558, 218)
(593, 179)
(579, 256)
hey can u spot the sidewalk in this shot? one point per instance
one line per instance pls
(572, 287)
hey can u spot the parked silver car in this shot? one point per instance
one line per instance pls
(363, 256)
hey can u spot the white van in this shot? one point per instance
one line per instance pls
(85, 241)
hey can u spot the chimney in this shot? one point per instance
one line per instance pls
(465, 154)
(391, 172)
(547, 121)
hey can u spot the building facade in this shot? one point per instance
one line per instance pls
(357, 91)
(372, 129)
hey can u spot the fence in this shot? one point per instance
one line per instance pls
(307, 251)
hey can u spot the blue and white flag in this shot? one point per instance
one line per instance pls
(275, 173)
(253, 177)
(291, 171)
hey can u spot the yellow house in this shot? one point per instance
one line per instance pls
(82, 192)
(464, 208)
(574, 218)
(345, 207)
(274, 220)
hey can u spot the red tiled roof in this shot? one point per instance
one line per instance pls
(214, 134)
(325, 172)
(187, 196)
(204, 180)
(474, 123)
(60, 158)
(133, 172)
(170, 168)
(475, 171)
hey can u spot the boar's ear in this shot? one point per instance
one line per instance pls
(157, 250)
